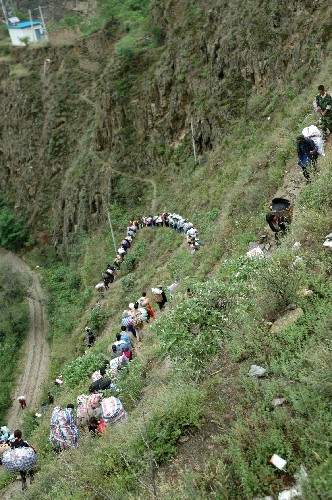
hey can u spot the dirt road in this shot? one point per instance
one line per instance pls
(36, 358)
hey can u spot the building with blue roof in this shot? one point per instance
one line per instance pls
(32, 31)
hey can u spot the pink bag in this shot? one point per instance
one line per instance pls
(93, 401)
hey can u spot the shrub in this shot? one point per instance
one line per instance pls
(12, 230)
(97, 319)
(175, 412)
(128, 282)
(81, 367)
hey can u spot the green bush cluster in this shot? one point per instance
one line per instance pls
(66, 297)
(79, 369)
(97, 319)
(128, 282)
(13, 232)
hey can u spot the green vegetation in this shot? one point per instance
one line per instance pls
(188, 394)
(13, 232)
(130, 15)
(13, 328)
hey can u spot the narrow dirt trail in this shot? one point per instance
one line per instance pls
(36, 358)
(292, 185)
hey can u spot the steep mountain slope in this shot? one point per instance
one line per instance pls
(117, 107)
(131, 101)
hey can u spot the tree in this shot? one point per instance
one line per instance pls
(25, 40)
(12, 230)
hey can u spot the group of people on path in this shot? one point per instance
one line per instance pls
(165, 219)
(310, 145)
(310, 142)
(93, 410)
(177, 222)
(141, 310)
(97, 410)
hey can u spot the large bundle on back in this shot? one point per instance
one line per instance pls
(88, 406)
(96, 376)
(19, 459)
(281, 207)
(112, 411)
(64, 432)
(157, 294)
(312, 132)
(81, 412)
(100, 385)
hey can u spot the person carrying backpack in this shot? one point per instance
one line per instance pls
(137, 321)
(19, 443)
(307, 155)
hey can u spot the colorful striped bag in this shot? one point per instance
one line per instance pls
(64, 433)
(112, 411)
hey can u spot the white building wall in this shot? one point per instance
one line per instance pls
(17, 33)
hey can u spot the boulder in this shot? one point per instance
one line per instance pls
(286, 320)
(305, 292)
(256, 371)
(278, 402)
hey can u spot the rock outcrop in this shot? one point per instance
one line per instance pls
(90, 106)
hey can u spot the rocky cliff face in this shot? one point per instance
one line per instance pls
(72, 112)
(54, 10)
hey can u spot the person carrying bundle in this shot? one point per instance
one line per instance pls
(96, 426)
(125, 244)
(278, 225)
(159, 296)
(126, 321)
(307, 155)
(100, 287)
(121, 344)
(106, 280)
(122, 252)
(145, 302)
(64, 432)
(90, 340)
(137, 321)
(4, 434)
(19, 443)
(117, 262)
(22, 401)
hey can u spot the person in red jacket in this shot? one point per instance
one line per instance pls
(23, 402)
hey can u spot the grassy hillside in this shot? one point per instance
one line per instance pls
(190, 379)
(198, 426)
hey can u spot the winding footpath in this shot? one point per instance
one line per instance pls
(33, 367)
